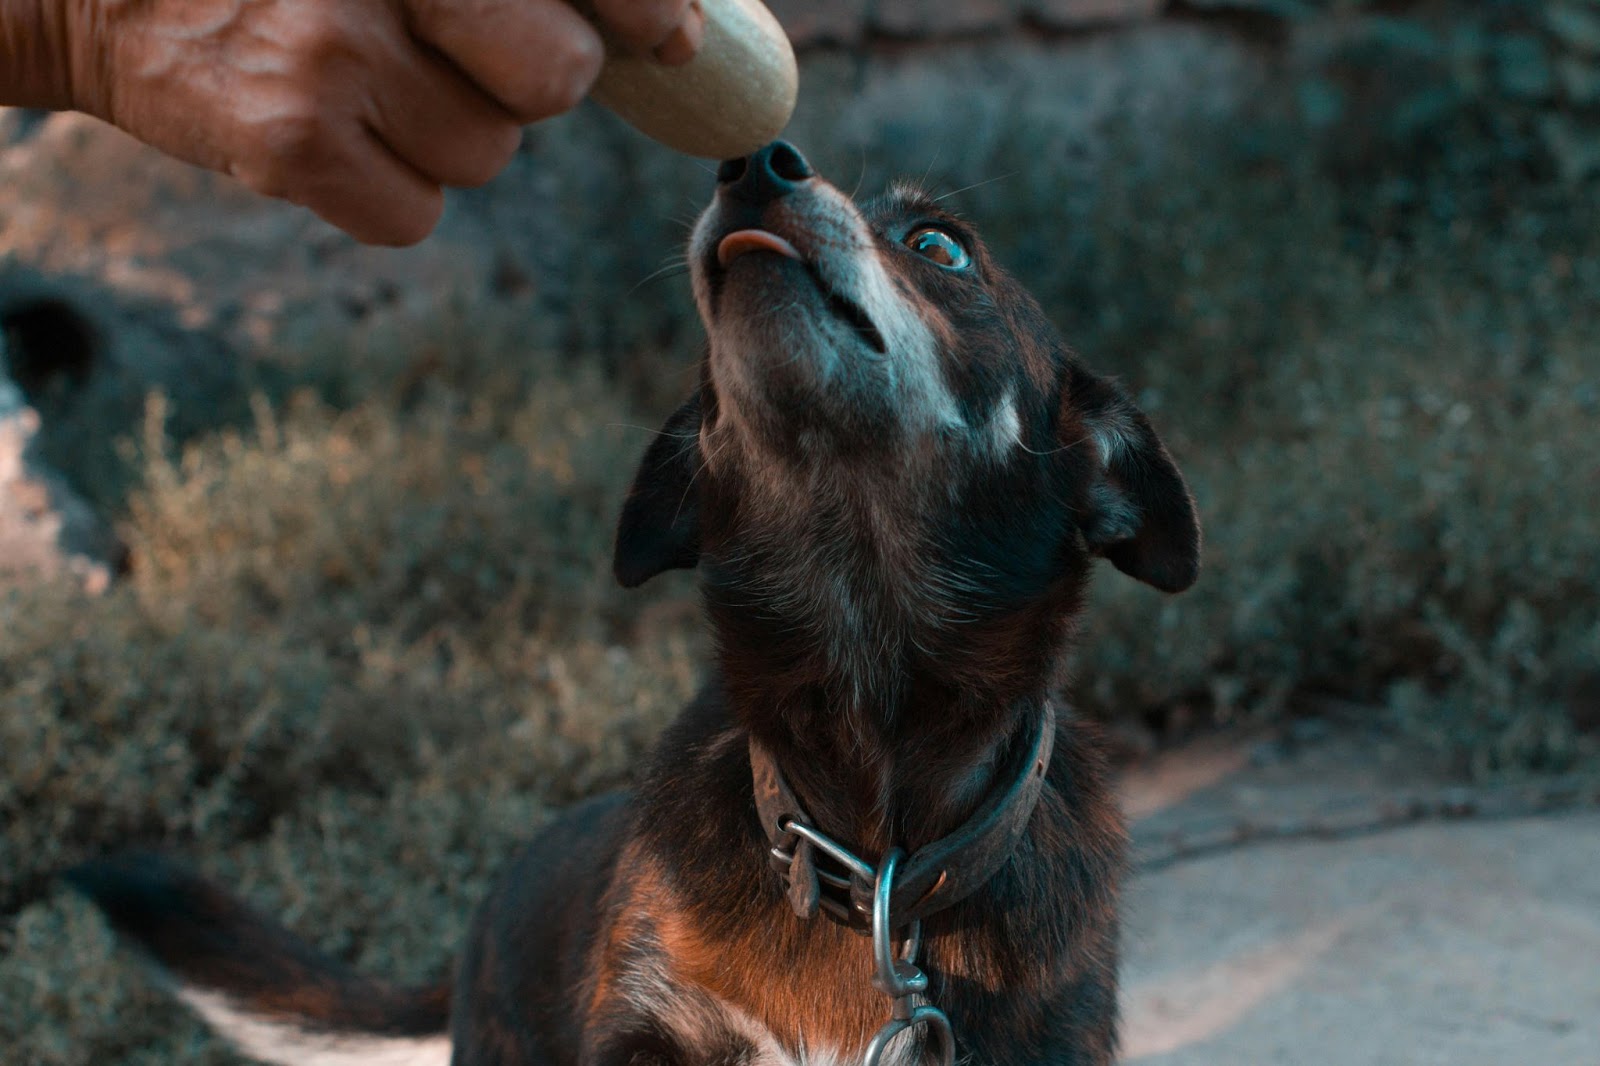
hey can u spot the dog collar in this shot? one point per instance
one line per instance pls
(932, 878)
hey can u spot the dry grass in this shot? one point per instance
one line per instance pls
(361, 653)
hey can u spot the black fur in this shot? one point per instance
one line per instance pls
(203, 937)
(660, 525)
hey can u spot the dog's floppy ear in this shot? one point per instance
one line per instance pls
(1141, 514)
(660, 525)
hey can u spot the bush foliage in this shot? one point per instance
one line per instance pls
(369, 636)
(360, 652)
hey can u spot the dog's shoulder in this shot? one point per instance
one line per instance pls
(526, 955)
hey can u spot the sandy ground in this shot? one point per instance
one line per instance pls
(1454, 940)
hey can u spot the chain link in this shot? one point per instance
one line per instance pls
(895, 974)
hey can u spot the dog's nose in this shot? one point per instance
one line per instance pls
(769, 174)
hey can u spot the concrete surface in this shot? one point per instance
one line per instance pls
(1462, 939)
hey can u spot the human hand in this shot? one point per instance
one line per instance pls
(359, 109)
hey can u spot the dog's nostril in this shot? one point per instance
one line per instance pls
(769, 174)
(787, 162)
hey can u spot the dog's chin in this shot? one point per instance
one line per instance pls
(786, 354)
(771, 298)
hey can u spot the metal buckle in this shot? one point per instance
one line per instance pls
(833, 850)
(857, 872)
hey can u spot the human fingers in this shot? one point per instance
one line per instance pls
(682, 43)
(349, 177)
(440, 123)
(538, 58)
(653, 26)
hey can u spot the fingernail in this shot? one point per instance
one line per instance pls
(684, 41)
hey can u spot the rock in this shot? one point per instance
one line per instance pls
(1573, 144)
(937, 18)
(46, 529)
(77, 364)
(17, 124)
(821, 22)
(1084, 14)
(80, 199)
(1580, 80)
(825, 22)
(85, 357)
(1576, 25)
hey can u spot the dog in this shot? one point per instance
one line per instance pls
(873, 837)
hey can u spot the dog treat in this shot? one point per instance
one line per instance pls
(734, 96)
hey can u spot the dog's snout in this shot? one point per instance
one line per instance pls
(769, 174)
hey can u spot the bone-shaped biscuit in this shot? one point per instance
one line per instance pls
(734, 96)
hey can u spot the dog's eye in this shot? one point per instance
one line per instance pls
(939, 246)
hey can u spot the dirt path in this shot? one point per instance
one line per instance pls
(1431, 925)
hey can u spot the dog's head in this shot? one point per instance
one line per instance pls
(891, 453)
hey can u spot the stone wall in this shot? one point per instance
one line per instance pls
(848, 22)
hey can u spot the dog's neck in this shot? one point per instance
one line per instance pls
(900, 766)
(880, 668)
(887, 788)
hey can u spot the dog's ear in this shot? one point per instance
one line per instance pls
(1141, 514)
(660, 525)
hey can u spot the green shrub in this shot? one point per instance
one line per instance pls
(359, 654)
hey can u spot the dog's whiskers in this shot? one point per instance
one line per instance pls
(936, 151)
(647, 429)
(975, 185)
(671, 270)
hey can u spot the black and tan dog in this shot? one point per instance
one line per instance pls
(894, 479)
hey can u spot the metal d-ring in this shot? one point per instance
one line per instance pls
(900, 978)
(933, 1020)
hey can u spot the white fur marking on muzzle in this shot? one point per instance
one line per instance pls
(917, 383)
(1005, 427)
(839, 246)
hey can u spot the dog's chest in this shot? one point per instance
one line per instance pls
(700, 1020)
(767, 1050)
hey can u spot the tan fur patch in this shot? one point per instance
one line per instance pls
(807, 984)
(818, 996)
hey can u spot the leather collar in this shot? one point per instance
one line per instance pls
(932, 878)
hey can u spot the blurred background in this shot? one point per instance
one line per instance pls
(304, 547)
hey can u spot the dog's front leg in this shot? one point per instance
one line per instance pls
(635, 1046)
(640, 1014)
(639, 1045)
(649, 1043)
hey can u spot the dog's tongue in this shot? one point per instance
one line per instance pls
(741, 241)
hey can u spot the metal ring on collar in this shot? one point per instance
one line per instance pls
(937, 1025)
(895, 978)
(900, 978)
